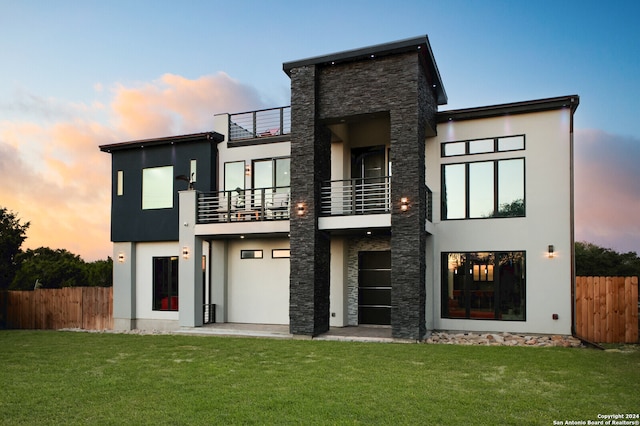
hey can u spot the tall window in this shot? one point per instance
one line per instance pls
(120, 183)
(157, 188)
(234, 175)
(165, 283)
(484, 285)
(483, 189)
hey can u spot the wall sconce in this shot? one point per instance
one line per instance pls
(247, 170)
(301, 209)
(185, 252)
(121, 257)
(551, 252)
(404, 204)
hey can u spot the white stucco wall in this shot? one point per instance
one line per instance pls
(338, 291)
(248, 154)
(548, 218)
(145, 252)
(257, 289)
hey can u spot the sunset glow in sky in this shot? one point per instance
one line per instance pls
(78, 74)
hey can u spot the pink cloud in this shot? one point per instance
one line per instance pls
(53, 174)
(174, 104)
(607, 189)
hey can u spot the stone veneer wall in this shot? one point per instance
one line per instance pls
(310, 249)
(396, 85)
(353, 247)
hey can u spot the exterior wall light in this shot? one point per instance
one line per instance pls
(185, 252)
(551, 251)
(121, 257)
(404, 204)
(247, 170)
(301, 209)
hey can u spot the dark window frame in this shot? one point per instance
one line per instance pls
(148, 187)
(496, 149)
(224, 171)
(496, 194)
(500, 294)
(274, 170)
(273, 251)
(254, 251)
(166, 297)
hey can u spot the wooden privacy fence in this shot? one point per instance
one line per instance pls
(607, 309)
(89, 308)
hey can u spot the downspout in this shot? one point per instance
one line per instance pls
(574, 101)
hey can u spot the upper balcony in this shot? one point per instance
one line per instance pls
(360, 203)
(357, 196)
(273, 123)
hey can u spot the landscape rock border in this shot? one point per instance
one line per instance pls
(503, 339)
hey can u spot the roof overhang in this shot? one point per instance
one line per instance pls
(537, 105)
(419, 44)
(167, 140)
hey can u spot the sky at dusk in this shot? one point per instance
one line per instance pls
(78, 74)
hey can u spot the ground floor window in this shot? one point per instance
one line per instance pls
(165, 283)
(484, 285)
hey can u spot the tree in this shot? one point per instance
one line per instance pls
(48, 268)
(100, 273)
(12, 235)
(513, 209)
(593, 260)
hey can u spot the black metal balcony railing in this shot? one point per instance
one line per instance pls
(243, 205)
(261, 123)
(362, 196)
(355, 196)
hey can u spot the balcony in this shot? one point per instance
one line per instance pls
(262, 204)
(361, 203)
(358, 196)
(260, 124)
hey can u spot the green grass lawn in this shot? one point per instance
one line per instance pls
(50, 377)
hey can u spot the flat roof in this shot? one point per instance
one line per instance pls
(420, 44)
(166, 140)
(536, 105)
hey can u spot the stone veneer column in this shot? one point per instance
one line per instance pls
(410, 121)
(310, 249)
(408, 237)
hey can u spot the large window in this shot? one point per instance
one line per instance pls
(157, 188)
(483, 189)
(484, 285)
(165, 283)
(270, 173)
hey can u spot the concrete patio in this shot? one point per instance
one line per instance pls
(381, 334)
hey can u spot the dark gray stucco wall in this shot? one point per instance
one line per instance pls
(129, 222)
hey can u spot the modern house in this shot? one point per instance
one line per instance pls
(361, 203)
